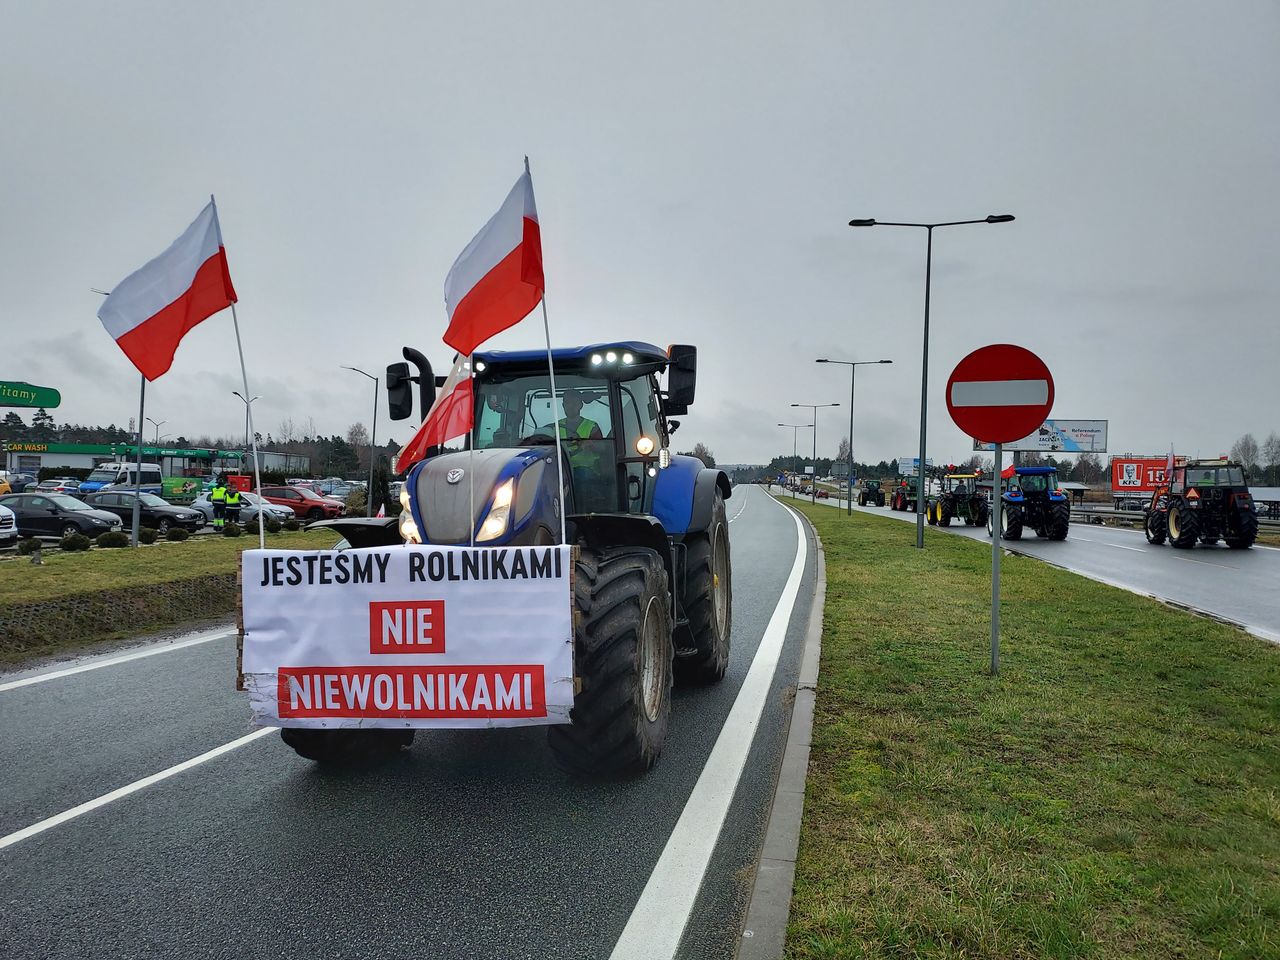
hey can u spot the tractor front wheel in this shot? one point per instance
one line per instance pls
(1011, 522)
(622, 639)
(345, 746)
(1244, 533)
(1156, 528)
(1059, 521)
(1184, 527)
(708, 603)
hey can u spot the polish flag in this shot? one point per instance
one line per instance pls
(1007, 473)
(497, 280)
(451, 416)
(151, 310)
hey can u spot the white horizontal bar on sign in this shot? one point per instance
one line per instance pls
(999, 393)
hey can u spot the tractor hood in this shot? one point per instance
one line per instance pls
(443, 503)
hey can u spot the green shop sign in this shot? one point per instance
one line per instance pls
(15, 393)
(124, 451)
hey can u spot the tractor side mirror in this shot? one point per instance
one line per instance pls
(682, 377)
(399, 393)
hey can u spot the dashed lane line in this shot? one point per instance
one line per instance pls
(26, 833)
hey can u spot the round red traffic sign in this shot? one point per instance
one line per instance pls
(1000, 393)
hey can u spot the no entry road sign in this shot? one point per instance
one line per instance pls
(1000, 393)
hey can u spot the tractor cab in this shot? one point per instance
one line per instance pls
(1039, 483)
(960, 484)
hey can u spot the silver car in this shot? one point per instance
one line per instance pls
(249, 504)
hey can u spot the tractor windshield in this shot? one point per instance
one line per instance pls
(1215, 477)
(1038, 482)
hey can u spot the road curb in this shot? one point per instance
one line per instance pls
(764, 932)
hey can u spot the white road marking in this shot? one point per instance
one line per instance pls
(658, 921)
(1119, 546)
(49, 823)
(740, 509)
(112, 661)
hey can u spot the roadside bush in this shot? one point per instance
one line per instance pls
(77, 541)
(232, 530)
(177, 534)
(113, 538)
(291, 524)
(273, 525)
(28, 546)
(251, 526)
(147, 535)
(356, 503)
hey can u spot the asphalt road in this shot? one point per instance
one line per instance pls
(471, 844)
(1241, 586)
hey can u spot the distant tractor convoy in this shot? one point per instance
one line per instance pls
(871, 494)
(904, 495)
(1204, 500)
(959, 499)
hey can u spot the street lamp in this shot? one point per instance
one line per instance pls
(246, 421)
(373, 434)
(924, 372)
(815, 407)
(853, 366)
(157, 424)
(795, 432)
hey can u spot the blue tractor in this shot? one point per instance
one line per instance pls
(652, 588)
(1034, 499)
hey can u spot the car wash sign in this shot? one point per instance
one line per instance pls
(412, 636)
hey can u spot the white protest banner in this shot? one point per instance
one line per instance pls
(408, 636)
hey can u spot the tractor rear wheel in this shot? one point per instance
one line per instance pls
(623, 654)
(708, 603)
(944, 513)
(1011, 522)
(345, 746)
(931, 513)
(879, 499)
(1156, 527)
(981, 514)
(1059, 521)
(1245, 532)
(1184, 527)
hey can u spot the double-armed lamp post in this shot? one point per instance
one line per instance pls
(924, 371)
(853, 366)
(815, 407)
(795, 433)
(373, 438)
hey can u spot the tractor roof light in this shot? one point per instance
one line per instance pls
(596, 359)
(480, 366)
(628, 358)
(611, 356)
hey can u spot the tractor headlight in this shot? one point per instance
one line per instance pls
(495, 524)
(409, 529)
(404, 497)
(644, 446)
(664, 458)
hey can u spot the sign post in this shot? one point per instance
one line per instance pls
(999, 394)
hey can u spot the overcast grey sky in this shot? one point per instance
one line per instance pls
(695, 165)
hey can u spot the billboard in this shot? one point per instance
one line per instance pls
(1060, 436)
(909, 465)
(1137, 475)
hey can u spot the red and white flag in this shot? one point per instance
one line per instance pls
(451, 416)
(151, 310)
(497, 280)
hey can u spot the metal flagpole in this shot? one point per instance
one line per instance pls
(551, 369)
(248, 406)
(137, 479)
(471, 455)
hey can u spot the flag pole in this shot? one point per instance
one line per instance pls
(471, 454)
(137, 478)
(555, 422)
(248, 404)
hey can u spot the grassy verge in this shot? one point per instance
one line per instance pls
(69, 574)
(1115, 793)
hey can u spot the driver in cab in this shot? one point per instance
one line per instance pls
(573, 425)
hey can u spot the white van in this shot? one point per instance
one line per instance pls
(124, 476)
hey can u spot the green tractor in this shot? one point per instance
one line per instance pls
(1205, 500)
(959, 499)
(871, 494)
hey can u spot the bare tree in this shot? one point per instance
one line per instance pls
(358, 438)
(1245, 452)
(286, 432)
(1271, 456)
(1088, 468)
(842, 454)
(702, 453)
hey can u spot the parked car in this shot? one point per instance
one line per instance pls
(154, 513)
(56, 485)
(8, 528)
(57, 515)
(248, 508)
(18, 482)
(305, 503)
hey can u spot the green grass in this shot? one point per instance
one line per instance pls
(1115, 793)
(71, 574)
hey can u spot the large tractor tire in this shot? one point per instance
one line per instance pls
(708, 603)
(622, 639)
(1245, 532)
(931, 514)
(1184, 527)
(1059, 521)
(1156, 527)
(338, 747)
(981, 514)
(880, 499)
(944, 513)
(1011, 522)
